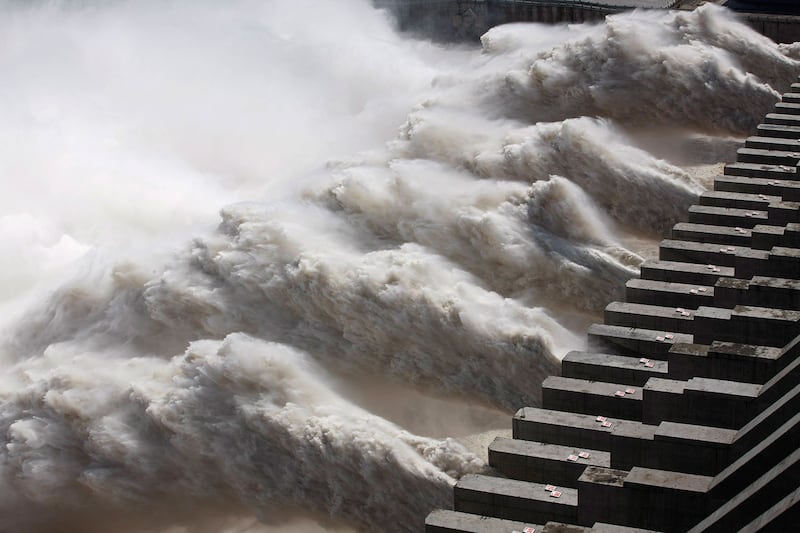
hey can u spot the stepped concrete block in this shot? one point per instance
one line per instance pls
(599, 490)
(769, 157)
(745, 324)
(773, 143)
(724, 360)
(778, 130)
(627, 440)
(787, 108)
(759, 291)
(514, 500)
(442, 521)
(782, 213)
(663, 401)
(738, 200)
(783, 516)
(782, 118)
(767, 422)
(780, 384)
(652, 344)
(763, 237)
(673, 501)
(611, 368)
(713, 255)
(792, 98)
(589, 397)
(688, 273)
(757, 170)
(747, 468)
(754, 499)
(665, 293)
(779, 262)
(726, 216)
(786, 189)
(725, 404)
(706, 233)
(691, 448)
(653, 317)
(729, 292)
(543, 463)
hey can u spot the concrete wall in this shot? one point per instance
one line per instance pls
(779, 28)
(467, 20)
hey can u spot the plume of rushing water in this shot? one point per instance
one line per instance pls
(251, 254)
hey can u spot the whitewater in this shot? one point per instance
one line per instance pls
(272, 266)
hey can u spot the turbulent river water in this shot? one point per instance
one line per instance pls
(272, 266)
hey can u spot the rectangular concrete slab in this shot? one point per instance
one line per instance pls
(648, 343)
(514, 500)
(683, 272)
(543, 463)
(443, 521)
(712, 255)
(612, 368)
(787, 189)
(588, 397)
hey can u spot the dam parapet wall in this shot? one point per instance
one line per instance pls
(684, 412)
(467, 20)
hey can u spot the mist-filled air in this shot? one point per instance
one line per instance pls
(271, 266)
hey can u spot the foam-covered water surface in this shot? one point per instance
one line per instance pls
(269, 271)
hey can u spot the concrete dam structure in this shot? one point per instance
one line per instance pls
(458, 20)
(684, 413)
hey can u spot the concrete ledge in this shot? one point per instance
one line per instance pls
(514, 500)
(712, 255)
(782, 118)
(787, 189)
(681, 272)
(747, 325)
(787, 108)
(726, 216)
(441, 521)
(652, 317)
(706, 233)
(779, 130)
(773, 143)
(543, 463)
(654, 344)
(756, 170)
(702, 450)
(725, 404)
(663, 497)
(746, 469)
(599, 490)
(740, 200)
(589, 397)
(755, 499)
(626, 440)
(611, 368)
(668, 294)
(760, 291)
(724, 360)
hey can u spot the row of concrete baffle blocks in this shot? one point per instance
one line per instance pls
(684, 414)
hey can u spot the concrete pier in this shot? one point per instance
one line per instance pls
(683, 414)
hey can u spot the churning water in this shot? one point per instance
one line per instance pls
(267, 264)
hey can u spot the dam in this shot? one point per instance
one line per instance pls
(459, 20)
(683, 413)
